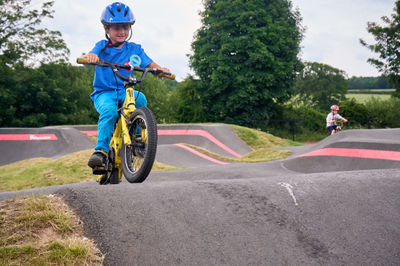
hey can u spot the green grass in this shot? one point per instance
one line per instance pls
(42, 172)
(256, 156)
(363, 98)
(258, 139)
(378, 91)
(262, 144)
(42, 230)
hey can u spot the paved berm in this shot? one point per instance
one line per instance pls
(308, 209)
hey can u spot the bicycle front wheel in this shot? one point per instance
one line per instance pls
(137, 159)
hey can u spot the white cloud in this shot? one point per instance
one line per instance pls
(334, 28)
(166, 29)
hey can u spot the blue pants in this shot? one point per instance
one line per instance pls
(106, 105)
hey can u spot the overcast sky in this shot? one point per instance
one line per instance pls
(165, 29)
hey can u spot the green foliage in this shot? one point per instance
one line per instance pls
(22, 39)
(356, 112)
(304, 122)
(320, 85)
(387, 46)
(186, 101)
(171, 84)
(245, 54)
(374, 113)
(157, 92)
(305, 117)
(368, 83)
(49, 94)
(52, 94)
(383, 113)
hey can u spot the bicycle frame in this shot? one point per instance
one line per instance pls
(122, 128)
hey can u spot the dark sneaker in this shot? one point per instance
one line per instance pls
(98, 158)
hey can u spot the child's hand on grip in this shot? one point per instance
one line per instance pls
(92, 58)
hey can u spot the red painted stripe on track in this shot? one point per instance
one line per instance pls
(357, 153)
(200, 154)
(90, 132)
(185, 132)
(197, 132)
(28, 137)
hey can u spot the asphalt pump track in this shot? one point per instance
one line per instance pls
(333, 203)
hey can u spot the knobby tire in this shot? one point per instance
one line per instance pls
(141, 118)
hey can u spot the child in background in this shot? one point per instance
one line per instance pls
(331, 119)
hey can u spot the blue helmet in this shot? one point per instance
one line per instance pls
(117, 13)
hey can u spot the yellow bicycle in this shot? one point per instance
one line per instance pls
(134, 142)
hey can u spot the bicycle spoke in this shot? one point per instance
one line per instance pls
(137, 163)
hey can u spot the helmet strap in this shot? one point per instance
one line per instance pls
(110, 44)
(130, 35)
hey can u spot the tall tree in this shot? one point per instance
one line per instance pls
(22, 38)
(387, 46)
(245, 54)
(321, 85)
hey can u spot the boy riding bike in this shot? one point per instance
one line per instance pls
(109, 92)
(331, 119)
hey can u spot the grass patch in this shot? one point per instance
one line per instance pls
(311, 136)
(372, 91)
(257, 139)
(262, 144)
(42, 230)
(157, 166)
(365, 97)
(258, 155)
(43, 172)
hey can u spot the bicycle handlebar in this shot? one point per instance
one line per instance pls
(115, 67)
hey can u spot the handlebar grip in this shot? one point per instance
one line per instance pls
(82, 60)
(166, 75)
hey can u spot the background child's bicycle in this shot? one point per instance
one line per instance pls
(339, 125)
(134, 142)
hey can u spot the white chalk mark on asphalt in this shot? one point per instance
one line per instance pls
(289, 188)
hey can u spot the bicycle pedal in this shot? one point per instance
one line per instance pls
(99, 170)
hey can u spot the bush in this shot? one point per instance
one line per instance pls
(298, 123)
(356, 112)
(384, 113)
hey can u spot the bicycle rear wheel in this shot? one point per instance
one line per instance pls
(137, 159)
